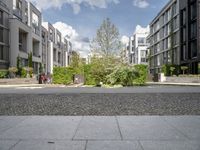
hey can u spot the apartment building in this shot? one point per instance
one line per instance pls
(164, 37)
(22, 33)
(58, 48)
(5, 14)
(25, 34)
(138, 46)
(190, 35)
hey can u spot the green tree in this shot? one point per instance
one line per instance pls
(30, 60)
(106, 43)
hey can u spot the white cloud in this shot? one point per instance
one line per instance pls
(141, 3)
(125, 39)
(75, 4)
(140, 29)
(78, 43)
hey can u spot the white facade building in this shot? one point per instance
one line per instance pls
(138, 46)
(22, 33)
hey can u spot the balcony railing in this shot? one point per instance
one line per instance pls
(17, 12)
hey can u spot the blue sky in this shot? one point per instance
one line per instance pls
(85, 16)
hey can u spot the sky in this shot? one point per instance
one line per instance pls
(81, 18)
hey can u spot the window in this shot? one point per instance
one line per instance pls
(193, 30)
(1, 35)
(1, 17)
(141, 40)
(193, 11)
(51, 34)
(183, 34)
(35, 19)
(183, 52)
(183, 17)
(193, 47)
(1, 52)
(54, 55)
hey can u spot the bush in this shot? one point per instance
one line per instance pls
(63, 75)
(24, 72)
(166, 70)
(121, 76)
(3, 73)
(12, 72)
(141, 74)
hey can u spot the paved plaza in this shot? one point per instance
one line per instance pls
(100, 133)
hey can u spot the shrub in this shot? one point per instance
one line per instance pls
(3, 73)
(24, 72)
(166, 70)
(141, 74)
(63, 75)
(184, 68)
(121, 76)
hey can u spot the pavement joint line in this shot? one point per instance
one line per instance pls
(77, 128)
(13, 146)
(177, 129)
(118, 126)
(140, 144)
(86, 143)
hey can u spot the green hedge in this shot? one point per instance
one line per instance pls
(141, 74)
(63, 75)
(3, 73)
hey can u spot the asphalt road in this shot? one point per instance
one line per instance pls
(150, 100)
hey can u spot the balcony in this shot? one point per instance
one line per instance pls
(17, 12)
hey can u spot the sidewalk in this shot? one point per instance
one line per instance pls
(170, 83)
(100, 133)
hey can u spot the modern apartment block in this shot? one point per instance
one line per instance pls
(22, 33)
(5, 14)
(138, 46)
(58, 48)
(174, 36)
(164, 37)
(190, 35)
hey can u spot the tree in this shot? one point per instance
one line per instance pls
(106, 43)
(184, 68)
(75, 60)
(30, 60)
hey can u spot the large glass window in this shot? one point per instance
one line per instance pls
(1, 35)
(141, 40)
(193, 30)
(1, 52)
(193, 47)
(1, 17)
(193, 11)
(35, 19)
(183, 17)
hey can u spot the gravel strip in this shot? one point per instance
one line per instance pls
(100, 104)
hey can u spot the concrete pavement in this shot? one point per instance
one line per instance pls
(100, 133)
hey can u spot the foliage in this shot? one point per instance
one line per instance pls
(106, 43)
(3, 73)
(141, 74)
(13, 70)
(89, 80)
(170, 70)
(41, 68)
(184, 68)
(122, 75)
(19, 66)
(30, 60)
(24, 72)
(63, 75)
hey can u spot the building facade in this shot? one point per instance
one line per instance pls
(190, 35)
(174, 36)
(138, 46)
(164, 38)
(5, 14)
(22, 33)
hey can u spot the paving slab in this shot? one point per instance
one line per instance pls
(113, 145)
(188, 125)
(147, 128)
(170, 145)
(70, 145)
(34, 145)
(7, 144)
(97, 128)
(44, 128)
(9, 122)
